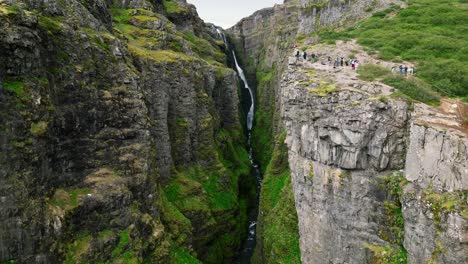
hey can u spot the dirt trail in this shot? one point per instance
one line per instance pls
(451, 114)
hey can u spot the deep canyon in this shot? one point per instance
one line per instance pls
(131, 131)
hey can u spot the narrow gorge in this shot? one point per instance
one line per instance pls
(132, 131)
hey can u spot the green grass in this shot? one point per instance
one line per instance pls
(121, 15)
(372, 72)
(263, 132)
(68, 199)
(77, 248)
(39, 129)
(16, 87)
(442, 204)
(279, 228)
(52, 25)
(182, 256)
(393, 229)
(413, 88)
(172, 8)
(211, 193)
(387, 254)
(324, 89)
(431, 33)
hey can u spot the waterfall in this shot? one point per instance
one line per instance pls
(248, 247)
(250, 115)
(222, 36)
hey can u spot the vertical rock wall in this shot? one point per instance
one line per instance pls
(103, 106)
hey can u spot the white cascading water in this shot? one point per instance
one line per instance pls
(250, 115)
(248, 246)
(222, 36)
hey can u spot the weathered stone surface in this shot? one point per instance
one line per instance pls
(437, 159)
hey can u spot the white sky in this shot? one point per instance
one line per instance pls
(226, 13)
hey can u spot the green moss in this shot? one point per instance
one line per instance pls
(15, 87)
(68, 199)
(414, 88)
(179, 225)
(324, 89)
(121, 15)
(105, 235)
(204, 49)
(173, 8)
(159, 56)
(212, 194)
(372, 72)
(278, 225)
(442, 204)
(393, 228)
(387, 254)
(10, 10)
(52, 25)
(39, 129)
(182, 256)
(264, 116)
(77, 248)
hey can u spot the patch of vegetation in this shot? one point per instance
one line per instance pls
(68, 199)
(278, 225)
(39, 129)
(212, 193)
(159, 56)
(414, 88)
(387, 254)
(172, 8)
(182, 256)
(324, 89)
(10, 10)
(429, 32)
(442, 204)
(372, 72)
(121, 15)
(77, 248)
(204, 48)
(318, 5)
(52, 25)
(16, 87)
(264, 116)
(393, 231)
(123, 252)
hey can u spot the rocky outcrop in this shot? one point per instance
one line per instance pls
(107, 109)
(342, 145)
(435, 202)
(371, 178)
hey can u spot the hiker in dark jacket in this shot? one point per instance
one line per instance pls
(305, 55)
(297, 54)
(342, 61)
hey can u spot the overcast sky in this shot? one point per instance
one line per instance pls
(226, 13)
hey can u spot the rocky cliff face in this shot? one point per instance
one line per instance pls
(375, 179)
(120, 134)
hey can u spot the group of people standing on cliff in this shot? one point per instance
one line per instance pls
(341, 62)
(403, 69)
(338, 62)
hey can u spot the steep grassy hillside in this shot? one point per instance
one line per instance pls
(431, 33)
(277, 231)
